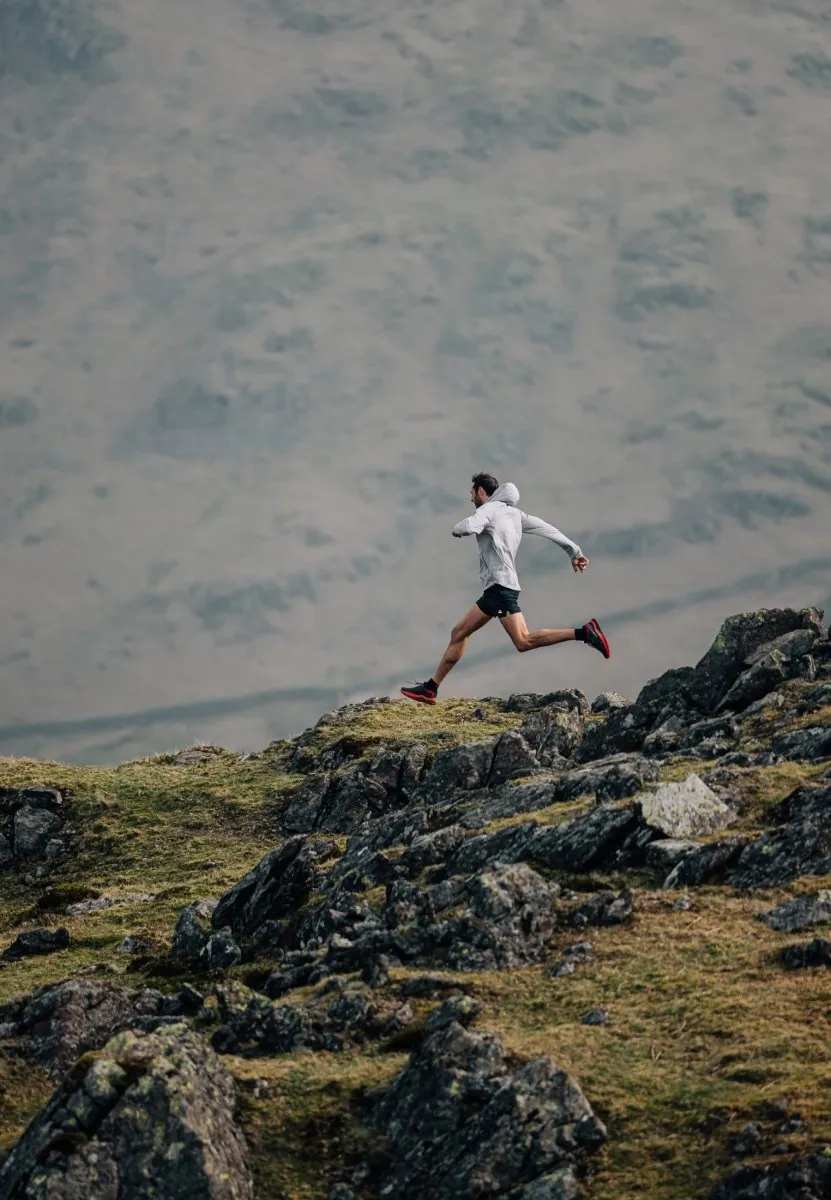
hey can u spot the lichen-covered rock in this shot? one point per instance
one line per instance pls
(338, 1016)
(461, 1123)
(515, 906)
(399, 770)
(220, 950)
(767, 667)
(350, 800)
(504, 845)
(406, 904)
(460, 768)
(553, 732)
(610, 778)
(804, 744)
(595, 1016)
(151, 1115)
(565, 698)
(193, 928)
(64, 1020)
(739, 637)
(512, 756)
(801, 846)
(375, 869)
(687, 809)
(606, 701)
(665, 739)
(800, 913)
(275, 890)
(507, 921)
(708, 863)
(606, 908)
(430, 848)
(583, 843)
(337, 803)
(807, 1177)
(764, 676)
(461, 1009)
(303, 810)
(666, 853)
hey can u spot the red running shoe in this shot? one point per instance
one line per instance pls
(420, 692)
(596, 638)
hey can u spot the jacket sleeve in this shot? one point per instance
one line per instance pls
(543, 529)
(475, 523)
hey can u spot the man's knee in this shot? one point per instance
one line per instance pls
(458, 634)
(523, 643)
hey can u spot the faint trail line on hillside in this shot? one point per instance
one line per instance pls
(328, 697)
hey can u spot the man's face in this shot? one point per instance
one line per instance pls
(478, 496)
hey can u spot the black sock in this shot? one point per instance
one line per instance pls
(580, 634)
(431, 683)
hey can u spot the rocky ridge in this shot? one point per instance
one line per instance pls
(405, 883)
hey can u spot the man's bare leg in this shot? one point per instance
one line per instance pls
(473, 619)
(427, 692)
(524, 638)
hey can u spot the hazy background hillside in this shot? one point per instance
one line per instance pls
(276, 277)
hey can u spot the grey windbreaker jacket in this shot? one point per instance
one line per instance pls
(499, 526)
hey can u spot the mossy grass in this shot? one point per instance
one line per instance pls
(447, 723)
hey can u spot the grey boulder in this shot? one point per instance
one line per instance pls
(688, 809)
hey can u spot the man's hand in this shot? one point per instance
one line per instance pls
(579, 564)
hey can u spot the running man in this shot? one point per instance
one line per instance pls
(499, 526)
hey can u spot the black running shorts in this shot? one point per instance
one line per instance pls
(499, 601)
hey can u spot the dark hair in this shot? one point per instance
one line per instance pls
(488, 483)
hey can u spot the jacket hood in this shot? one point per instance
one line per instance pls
(508, 493)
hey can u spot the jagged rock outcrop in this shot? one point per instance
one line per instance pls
(742, 641)
(274, 891)
(64, 1020)
(508, 919)
(340, 1015)
(801, 846)
(150, 1115)
(193, 929)
(767, 647)
(459, 1122)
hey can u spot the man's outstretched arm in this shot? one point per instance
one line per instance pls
(542, 528)
(475, 523)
